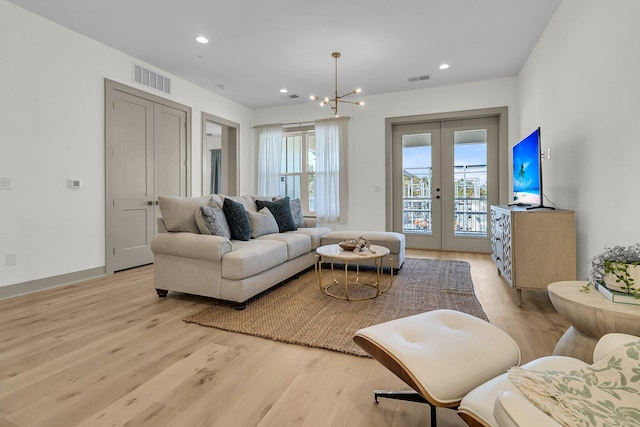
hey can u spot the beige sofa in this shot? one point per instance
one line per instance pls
(219, 267)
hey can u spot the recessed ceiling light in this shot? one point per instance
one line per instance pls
(202, 39)
(444, 66)
(283, 90)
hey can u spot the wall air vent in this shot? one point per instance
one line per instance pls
(149, 78)
(417, 79)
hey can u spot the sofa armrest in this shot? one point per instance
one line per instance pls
(190, 245)
(513, 410)
(311, 223)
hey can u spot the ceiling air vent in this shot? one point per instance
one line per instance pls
(294, 96)
(416, 79)
(146, 77)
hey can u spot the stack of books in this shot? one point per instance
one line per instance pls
(614, 296)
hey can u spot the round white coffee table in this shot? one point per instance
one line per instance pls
(335, 254)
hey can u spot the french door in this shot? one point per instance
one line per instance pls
(444, 178)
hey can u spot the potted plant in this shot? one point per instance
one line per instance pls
(618, 268)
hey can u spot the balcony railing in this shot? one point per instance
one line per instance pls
(470, 216)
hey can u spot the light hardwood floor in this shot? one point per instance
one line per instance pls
(109, 352)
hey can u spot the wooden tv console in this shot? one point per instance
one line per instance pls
(533, 248)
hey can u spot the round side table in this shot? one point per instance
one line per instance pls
(335, 253)
(591, 316)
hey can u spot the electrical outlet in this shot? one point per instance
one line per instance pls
(5, 183)
(11, 259)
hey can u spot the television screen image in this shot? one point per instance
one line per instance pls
(527, 173)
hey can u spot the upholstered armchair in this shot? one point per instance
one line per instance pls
(427, 351)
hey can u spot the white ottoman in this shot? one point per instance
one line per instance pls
(389, 239)
(442, 354)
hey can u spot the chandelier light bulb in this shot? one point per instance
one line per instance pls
(357, 90)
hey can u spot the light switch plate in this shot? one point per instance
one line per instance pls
(5, 183)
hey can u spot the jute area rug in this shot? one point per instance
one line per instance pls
(297, 312)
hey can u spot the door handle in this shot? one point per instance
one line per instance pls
(151, 202)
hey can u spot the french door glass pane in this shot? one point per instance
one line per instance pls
(416, 183)
(470, 182)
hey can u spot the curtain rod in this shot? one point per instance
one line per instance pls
(300, 124)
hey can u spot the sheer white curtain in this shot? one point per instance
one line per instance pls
(331, 170)
(269, 158)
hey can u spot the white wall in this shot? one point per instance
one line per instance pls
(367, 134)
(581, 85)
(52, 129)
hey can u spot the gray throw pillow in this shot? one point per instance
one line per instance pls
(211, 220)
(237, 219)
(281, 211)
(296, 212)
(262, 223)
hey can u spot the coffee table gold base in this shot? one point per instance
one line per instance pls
(335, 282)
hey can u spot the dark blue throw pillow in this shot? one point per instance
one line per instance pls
(281, 212)
(238, 220)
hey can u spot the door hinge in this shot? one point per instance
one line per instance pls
(114, 251)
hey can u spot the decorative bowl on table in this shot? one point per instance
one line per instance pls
(348, 245)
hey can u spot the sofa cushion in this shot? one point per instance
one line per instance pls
(179, 212)
(262, 223)
(238, 220)
(297, 244)
(281, 210)
(314, 233)
(250, 258)
(212, 221)
(296, 212)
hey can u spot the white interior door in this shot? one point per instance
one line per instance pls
(147, 154)
(131, 181)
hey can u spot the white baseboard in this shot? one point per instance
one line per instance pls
(50, 282)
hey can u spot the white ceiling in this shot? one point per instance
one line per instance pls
(257, 47)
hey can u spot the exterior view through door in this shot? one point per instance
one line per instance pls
(444, 180)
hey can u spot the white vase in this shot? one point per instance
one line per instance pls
(610, 279)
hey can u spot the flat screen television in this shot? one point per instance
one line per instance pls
(527, 171)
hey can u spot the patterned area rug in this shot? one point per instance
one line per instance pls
(297, 312)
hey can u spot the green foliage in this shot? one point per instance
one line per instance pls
(624, 254)
(586, 288)
(620, 270)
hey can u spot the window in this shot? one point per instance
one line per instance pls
(298, 168)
